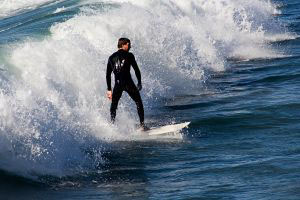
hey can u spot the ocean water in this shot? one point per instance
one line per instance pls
(231, 68)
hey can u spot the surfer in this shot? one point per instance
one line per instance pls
(119, 63)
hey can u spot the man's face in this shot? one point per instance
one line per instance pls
(126, 47)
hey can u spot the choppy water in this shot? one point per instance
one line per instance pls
(230, 67)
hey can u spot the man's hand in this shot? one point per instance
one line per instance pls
(109, 94)
(139, 87)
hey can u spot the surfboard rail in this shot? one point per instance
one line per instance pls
(167, 129)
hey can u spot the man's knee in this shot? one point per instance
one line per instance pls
(114, 106)
(139, 105)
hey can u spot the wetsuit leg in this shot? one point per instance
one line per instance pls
(116, 95)
(134, 93)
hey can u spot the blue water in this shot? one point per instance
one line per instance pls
(242, 143)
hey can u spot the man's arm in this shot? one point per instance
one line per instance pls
(137, 72)
(108, 79)
(108, 75)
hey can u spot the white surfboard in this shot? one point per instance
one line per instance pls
(172, 128)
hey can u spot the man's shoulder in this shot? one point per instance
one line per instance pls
(114, 54)
(130, 55)
(123, 53)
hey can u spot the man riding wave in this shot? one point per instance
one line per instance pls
(120, 64)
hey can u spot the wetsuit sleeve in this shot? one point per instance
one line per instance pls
(108, 74)
(136, 70)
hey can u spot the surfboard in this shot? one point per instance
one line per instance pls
(162, 130)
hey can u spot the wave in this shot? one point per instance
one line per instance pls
(53, 108)
(10, 8)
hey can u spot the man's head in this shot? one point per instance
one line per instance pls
(124, 43)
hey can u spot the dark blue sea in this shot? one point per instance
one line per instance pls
(231, 68)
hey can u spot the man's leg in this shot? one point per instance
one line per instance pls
(116, 95)
(134, 93)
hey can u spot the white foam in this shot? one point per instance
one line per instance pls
(10, 8)
(58, 10)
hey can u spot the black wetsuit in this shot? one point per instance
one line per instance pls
(120, 63)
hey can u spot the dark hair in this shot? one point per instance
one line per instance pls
(123, 41)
